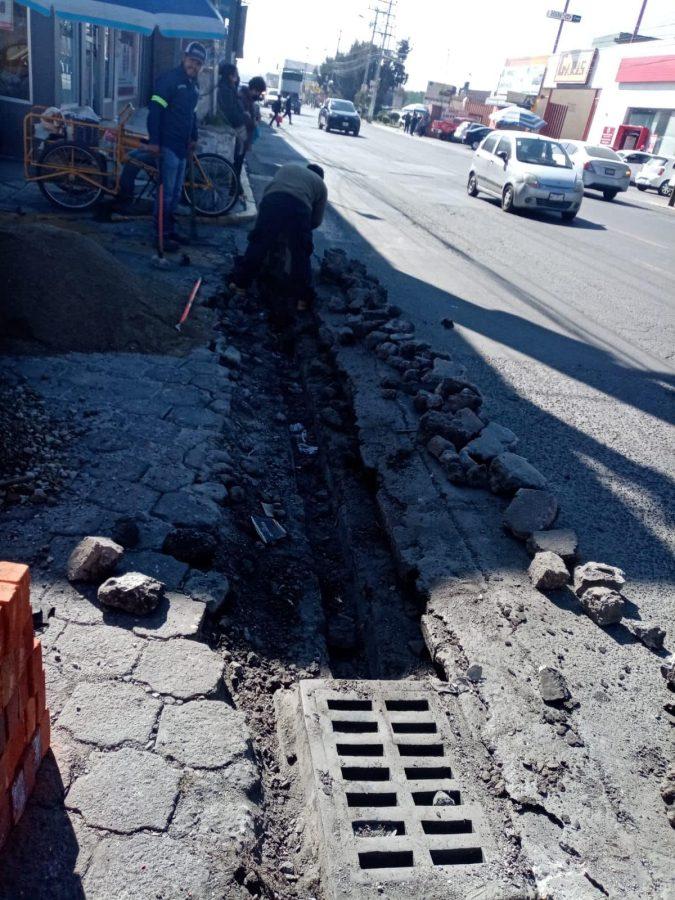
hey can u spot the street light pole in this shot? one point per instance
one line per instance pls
(636, 30)
(560, 28)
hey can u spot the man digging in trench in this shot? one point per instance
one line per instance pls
(293, 205)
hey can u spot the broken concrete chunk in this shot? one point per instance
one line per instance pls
(94, 558)
(474, 673)
(231, 357)
(442, 798)
(552, 685)
(133, 592)
(452, 466)
(459, 428)
(652, 636)
(477, 476)
(510, 472)
(604, 605)
(493, 440)
(211, 588)
(448, 386)
(562, 541)
(423, 401)
(530, 511)
(438, 445)
(466, 399)
(548, 572)
(668, 672)
(600, 574)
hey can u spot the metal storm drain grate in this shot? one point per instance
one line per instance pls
(389, 803)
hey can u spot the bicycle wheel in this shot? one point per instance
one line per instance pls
(216, 186)
(78, 176)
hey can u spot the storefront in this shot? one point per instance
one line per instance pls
(636, 107)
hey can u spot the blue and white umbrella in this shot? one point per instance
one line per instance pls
(197, 19)
(517, 117)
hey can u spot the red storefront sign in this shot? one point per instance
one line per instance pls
(607, 135)
(646, 69)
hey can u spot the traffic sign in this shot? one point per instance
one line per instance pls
(562, 16)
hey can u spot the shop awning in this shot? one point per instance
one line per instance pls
(196, 19)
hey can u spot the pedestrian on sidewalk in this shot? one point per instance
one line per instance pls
(293, 205)
(232, 110)
(276, 113)
(249, 94)
(413, 124)
(172, 136)
(406, 123)
(288, 109)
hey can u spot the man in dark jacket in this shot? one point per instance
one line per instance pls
(292, 206)
(276, 110)
(172, 130)
(288, 109)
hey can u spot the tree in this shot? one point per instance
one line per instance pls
(392, 75)
(343, 75)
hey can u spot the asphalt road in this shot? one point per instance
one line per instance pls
(569, 328)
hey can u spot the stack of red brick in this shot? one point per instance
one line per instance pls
(24, 718)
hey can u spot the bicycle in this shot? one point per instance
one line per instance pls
(77, 162)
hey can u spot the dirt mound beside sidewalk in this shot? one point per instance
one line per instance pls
(64, 292)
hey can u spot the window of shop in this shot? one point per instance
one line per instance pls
(67, 69)
(14, 52)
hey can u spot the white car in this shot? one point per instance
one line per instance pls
(601, 168)
(656, 174)
(526, 171)
(635, 160)
(270, 97)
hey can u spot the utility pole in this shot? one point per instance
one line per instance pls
(636, 30)
(560, 28)
(386, 34)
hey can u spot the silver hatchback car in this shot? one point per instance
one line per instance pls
(526, 170)
(601, 168)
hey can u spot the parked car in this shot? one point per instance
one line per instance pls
(340, 115)
(656, 174)
(270, 96)
(474, 134)
(601, 168)
(526, 171)
(445, 128)
(635, 160)
(460, 131)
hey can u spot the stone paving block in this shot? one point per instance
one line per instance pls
(214, 810)
(126, 465)
(177, 616)
(168, 478)
(98, 650)
(164, 568)
(188, 509)
(123, 497)
(109, 713)
(185, 395)
(152, 533)
(73, 604)
(126, 790)
(180, 667)
(77, 519)
(211, 588)
(204, 734)
(196, 417)
(146, 866)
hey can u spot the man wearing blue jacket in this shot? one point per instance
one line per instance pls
(172, 130)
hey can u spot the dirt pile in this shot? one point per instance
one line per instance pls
(64, 292)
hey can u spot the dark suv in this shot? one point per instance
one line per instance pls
(339, 115)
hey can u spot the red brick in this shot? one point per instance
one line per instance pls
(18, 574)
(31, 717)
(8, 678)
(29, 765)
(36, 676)
(45, 733)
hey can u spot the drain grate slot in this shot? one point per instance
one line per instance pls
(407, 705)
(370, 799)
(353, 705)
(377, 828)
(415, 773)
(458, 856)
(420, 749)
(414, 727)
(386, 859)
(350, 727)
(426, 798)
(449, 826)
(360, 749)
(365, 773)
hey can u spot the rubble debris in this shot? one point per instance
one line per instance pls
(231, 357)
(668, 672)
(458, 428)
(210, 588)
(548, 572)
(562, 541)
(593, 574)
(126, 532)
(93, 559)
(133, 592)
(652, 636)
(510, 472)
(268, 529)
(447, 323)
(191, 545)
(474, 673)
(493, 440)
(603, 604)
(530, 511)
(442, 798)
(552, 685)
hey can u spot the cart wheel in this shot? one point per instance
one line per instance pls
(72, 176)
(216, 186)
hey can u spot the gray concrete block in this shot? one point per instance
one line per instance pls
(126, 790)
(163, 568)
(179, 667)
(188, 509)
(110, 713)
(204, 734)
(99, 651)
(176, 616)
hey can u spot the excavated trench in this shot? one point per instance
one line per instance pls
(324, 602)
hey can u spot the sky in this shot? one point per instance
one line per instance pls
(452, 42)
